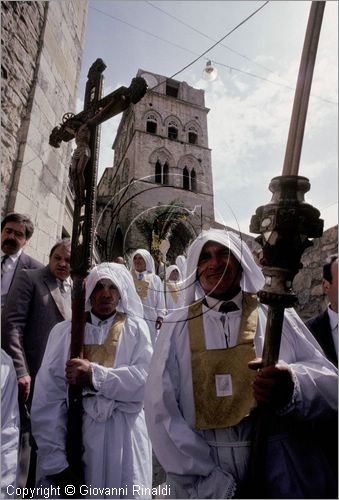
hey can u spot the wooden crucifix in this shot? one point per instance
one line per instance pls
(84, 128)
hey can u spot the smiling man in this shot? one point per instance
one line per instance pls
(201, 396)
(117, 354)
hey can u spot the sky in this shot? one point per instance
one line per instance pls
(251, 100)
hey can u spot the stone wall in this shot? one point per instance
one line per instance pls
(308, 282)
(22, 24)
(42, 46)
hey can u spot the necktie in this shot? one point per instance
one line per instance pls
(3, 260)
(62, 287)
(227, 307)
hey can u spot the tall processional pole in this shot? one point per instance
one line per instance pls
(284, 225)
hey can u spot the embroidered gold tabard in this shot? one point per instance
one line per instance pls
(174, 291)
(141, 286)
(221, 378)
(104, 354)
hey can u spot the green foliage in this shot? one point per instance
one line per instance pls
(160, 226)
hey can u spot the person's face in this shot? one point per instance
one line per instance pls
(83, 134)
(139, 263)
(219, 272)
(60, 263)
(13, 237)
(104, 298)
(174, 276)
(331, 289)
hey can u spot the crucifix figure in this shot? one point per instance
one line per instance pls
(84, 124)
(83, 127)
(80, 158)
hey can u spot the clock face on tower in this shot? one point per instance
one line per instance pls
(150, 80)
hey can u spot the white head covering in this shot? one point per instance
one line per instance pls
(130, 302)
(147, 258)
(252, 278)
(181, 263)
(170, 269)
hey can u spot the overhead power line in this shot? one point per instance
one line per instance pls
(233, 68)
(221, 39)
(207, 36)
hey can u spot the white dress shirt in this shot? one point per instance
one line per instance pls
(7, 273)
(334, 327)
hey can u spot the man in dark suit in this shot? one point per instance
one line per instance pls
(16, 230)
(38, 300)
(324, 326)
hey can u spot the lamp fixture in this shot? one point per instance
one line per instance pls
(209, 73)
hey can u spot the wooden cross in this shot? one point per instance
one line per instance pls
(83, 170)
(83, 127)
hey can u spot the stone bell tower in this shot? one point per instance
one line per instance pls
(161, 159)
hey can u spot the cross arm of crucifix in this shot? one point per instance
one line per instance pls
(107, 107)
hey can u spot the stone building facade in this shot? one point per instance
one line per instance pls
(161, 157)
(42, 46)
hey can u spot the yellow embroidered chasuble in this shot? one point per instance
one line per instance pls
(104, 354)
(221, 378)
(174, 291)
(142, 286)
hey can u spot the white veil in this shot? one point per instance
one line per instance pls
(147, 258)
(130, 302)
(252, 278)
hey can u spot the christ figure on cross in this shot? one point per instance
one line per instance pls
(118, 101)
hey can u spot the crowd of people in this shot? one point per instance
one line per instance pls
(165, 377)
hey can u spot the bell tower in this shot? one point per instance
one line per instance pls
(161, 159)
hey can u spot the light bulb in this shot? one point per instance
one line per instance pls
(209, 73)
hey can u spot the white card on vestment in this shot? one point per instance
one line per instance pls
(223, 384)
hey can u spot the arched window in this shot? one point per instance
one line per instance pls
(161, 173)
(165, 174)
(151, 125)
(192, 137)
(172, 133)
(186, 179)
(193, 180)
(158, 172)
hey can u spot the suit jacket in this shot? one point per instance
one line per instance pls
(34, 305)
(26, 262)
(321, 329)
(326, 430)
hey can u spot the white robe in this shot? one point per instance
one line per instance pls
(171, 304)
(10, 421)
(117, 450)
(209, 464)
(154, 305)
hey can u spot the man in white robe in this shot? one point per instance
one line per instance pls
(9, 426)
(173, 289)
(117, 451)
(199, 422)
(150, 290)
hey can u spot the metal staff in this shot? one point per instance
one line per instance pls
(285, 224)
